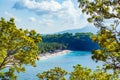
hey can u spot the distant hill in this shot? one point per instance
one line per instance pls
(88, 28)
(70, 41)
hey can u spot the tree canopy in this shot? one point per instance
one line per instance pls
(108, 38)
(17, 47)
(77, 41)
(79, 73)
(50, 47)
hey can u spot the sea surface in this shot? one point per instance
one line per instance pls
(66, 62)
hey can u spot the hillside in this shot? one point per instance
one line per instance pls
(77, 41)
(86, 29)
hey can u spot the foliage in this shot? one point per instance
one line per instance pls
(50, 47)
(79, 73)
(53, 74)
(100, 9)
(109, 36)
(77, 41)
(110, 52)
(17, 47)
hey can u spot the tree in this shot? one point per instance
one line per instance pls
(83, 73)
(79, 73)
(53, 74)
(108, 37)
(77, 41)
(17, 47)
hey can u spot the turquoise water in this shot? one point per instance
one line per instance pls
(64, 61)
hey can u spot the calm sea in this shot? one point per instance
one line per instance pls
(66, 62)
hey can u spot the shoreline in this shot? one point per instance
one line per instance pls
(48, 55)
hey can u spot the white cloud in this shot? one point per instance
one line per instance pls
(12, 16)
(46, 22)
(57, 16)
(50, 6)
(32, 19)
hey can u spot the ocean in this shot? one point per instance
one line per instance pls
(66, 62)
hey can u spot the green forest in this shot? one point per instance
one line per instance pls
(19, 47)
(77, 41)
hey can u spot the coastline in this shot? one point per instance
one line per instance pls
(49, 55)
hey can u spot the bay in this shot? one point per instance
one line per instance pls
(66, 62)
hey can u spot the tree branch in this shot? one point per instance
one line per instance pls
(3, 63)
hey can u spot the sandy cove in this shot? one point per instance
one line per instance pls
(49, 55)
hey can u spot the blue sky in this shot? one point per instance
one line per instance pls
(44, 16)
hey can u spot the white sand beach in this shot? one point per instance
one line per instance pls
(49, 55)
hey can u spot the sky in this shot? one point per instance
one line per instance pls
(44, 16)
